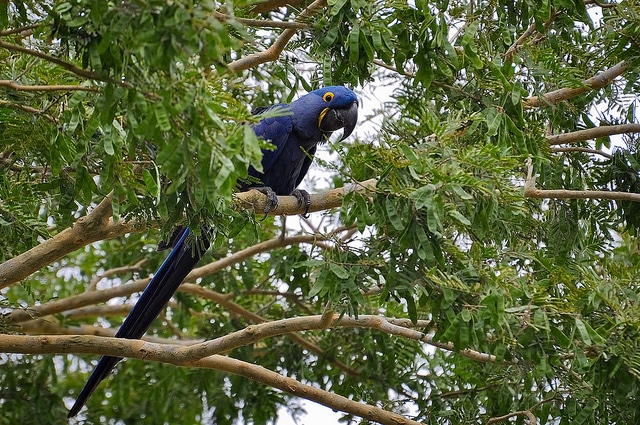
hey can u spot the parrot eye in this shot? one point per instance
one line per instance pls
(328, 97)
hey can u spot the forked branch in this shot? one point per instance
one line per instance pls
(99, 225)
(274, 51)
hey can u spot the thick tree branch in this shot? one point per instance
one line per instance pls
(593, 83)
(255, 333)
(237, 310)
(274, 4)
(95, 226)
(98, 225)
(168, 354)
(288, 205)
(199, 354)
(294, 387)
(19, 87)
(592, 133)
(530, 191)
(274, 51)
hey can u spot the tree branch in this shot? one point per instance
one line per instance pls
(66, 65)
(237, 310)
(529, 31)
(98, 225)
(93, 227)
(294, 387)
(19, 87)
(120, 347)
(112, 272)
(592, 133)
(531, 419)
(19, 30)
(274, 51)
(274, 4)
(593, 83)
(199, 354)
(93, 297)
(530, 191)
(261, 23)
(28, 109)
(255, 333)
(40, 327)
(585, 150)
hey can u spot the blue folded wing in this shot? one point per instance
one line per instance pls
(276, 130)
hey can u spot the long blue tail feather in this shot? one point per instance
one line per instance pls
(155, 297)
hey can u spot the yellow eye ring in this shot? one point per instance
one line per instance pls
(328, 97)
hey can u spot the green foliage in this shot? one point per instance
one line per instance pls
(537, 300)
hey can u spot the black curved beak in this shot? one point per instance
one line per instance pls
(335, 119)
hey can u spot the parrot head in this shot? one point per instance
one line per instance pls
(326, 110)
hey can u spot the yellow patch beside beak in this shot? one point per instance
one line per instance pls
(322, 114)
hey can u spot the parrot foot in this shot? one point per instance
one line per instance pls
(272, 200)
(303, 198)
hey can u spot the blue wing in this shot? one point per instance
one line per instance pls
(275, 130)
(155, 297)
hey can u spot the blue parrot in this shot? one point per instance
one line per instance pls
(310, 121)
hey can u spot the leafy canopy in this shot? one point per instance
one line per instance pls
(521, 300)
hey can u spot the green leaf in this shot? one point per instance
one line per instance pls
(339, 271)
(582, 331)
(456, 215)
(423, 196)
(493, 119)
(336, 5)
(354, 43)
(392, 214)
(162, 118)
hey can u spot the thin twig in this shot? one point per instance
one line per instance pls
(274, 4)
(529, 31)
(66, 65)
(19, 30)
(433, 83)
(112, 272)
(260, 23)
(28, 109)
(585, 150)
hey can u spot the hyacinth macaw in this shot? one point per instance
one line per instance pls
(311, 119)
